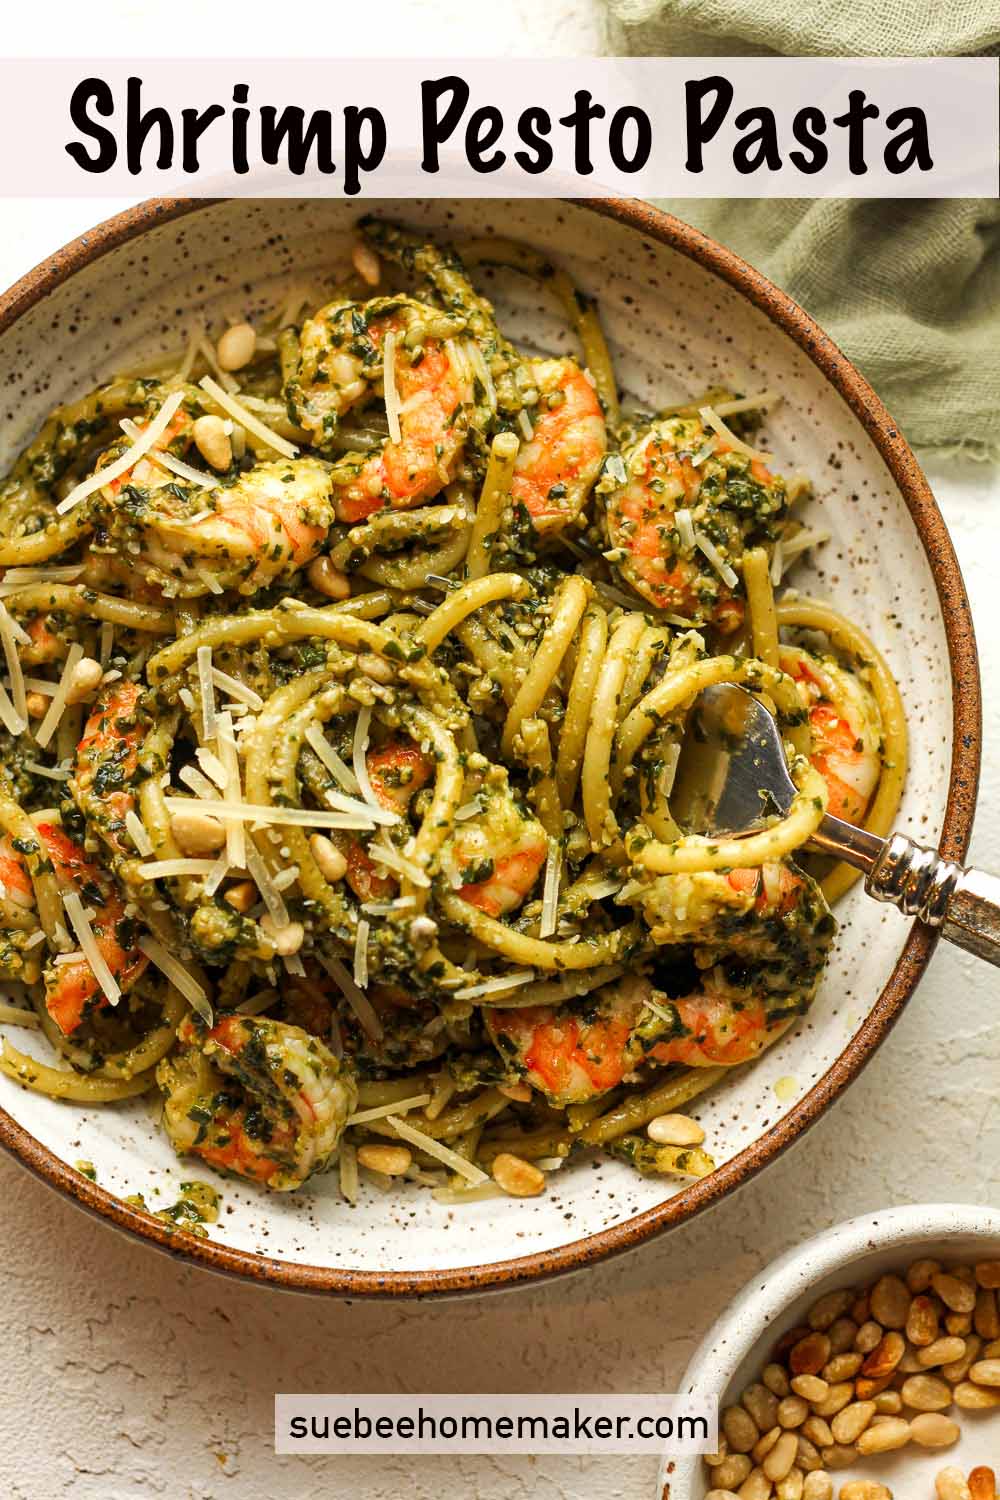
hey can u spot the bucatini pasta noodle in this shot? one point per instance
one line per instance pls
(347, 665)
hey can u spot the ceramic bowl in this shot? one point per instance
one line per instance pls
(682, 314)
(855, 1253)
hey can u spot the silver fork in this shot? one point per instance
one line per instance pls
(732, 775)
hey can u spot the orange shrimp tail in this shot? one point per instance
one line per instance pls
(720, 1033)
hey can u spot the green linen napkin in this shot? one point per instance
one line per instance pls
(910, 289)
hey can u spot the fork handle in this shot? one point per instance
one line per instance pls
(964, 904)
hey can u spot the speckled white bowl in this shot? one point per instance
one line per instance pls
(735, 1350)
(682, 314)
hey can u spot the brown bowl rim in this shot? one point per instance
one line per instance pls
(780, 308)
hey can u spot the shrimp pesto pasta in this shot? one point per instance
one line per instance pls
(347, 667)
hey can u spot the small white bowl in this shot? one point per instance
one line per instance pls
(855, 1253)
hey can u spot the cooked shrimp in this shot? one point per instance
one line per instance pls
(342, 363)
(494, 858)
(397, 771)
(244, 535)
(846, 733)
(17, 920)
(71, 987)
(256, 1097)
(762, 937)
(107, 760)
(556, 469)
(728, 495)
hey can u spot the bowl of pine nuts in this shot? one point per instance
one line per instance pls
(862, 1365)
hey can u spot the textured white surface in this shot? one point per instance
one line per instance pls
(124, 1375)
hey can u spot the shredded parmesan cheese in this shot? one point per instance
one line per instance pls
(524, 422)
(262, 879)
(239, 413)
(705, 451)
(777, 563)
(550, 890)
(136, 830)
(295, 817)
(173, 465)
(47, 727)
(361, 955)
(356, 998)
(482, 373)
(17, 578)
(179, 977)
(382, 854)
(337, 768)
(712, 419)
(685, 528)
(763, 402)
(199, 784)
(716, 559)
(468, 810)
(211, 765)
(441, 1153)
(206, 687)
(236, 689)
(218, 874)
(54, 773)
(379, 1111)
(494, 986)
(388, 908)
(348, 1166)
(156, 428)
(360, 760)
(166, 869)
(229, 756)
(389, 384)
(80, 923)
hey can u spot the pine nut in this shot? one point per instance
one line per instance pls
(242, 896)
(818, 1486)
(810, 1387)
(828, 1309)
(721, 1453)
(367, 264)
(808, 1458)
(954, 1293)
(975, 1397)
(922, 1322)
(842, 1367)
(932, 1430)
(841, 1392)
(764, 1445)
(861, 1310)
(84, 680)
(675, 1130)
(909, 1364)
(327, 579)
(918, 1277)
(958, 1369)
(986, 1372)
(37, 705)
(869, 1336)
(732, 1471)
(983, 1483)
(781, 1457)
(888, 1403)
(792, 1411)
(890, 1302)
(986, 1319)
(762, 1405)
(756, 1486)
(927, 1393)
(287, 940)
(522, 1179)
(893, 1433)
(332, 863)
(958, 1324)
(848, 1424)
(212, 441)
(393, 1161)
(722, 1495)
(817, 1430)
(950, 1485)
(810, 1354)
(941, 1352)
(837, 1456)
(842, 1334)
(380, 671)
(236, 347)
(988, 1274)
(196, 834)
(886, 1355)
(790, 1488)
(864, 1489)
(776, 1379)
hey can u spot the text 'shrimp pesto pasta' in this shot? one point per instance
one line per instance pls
(347, 668)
